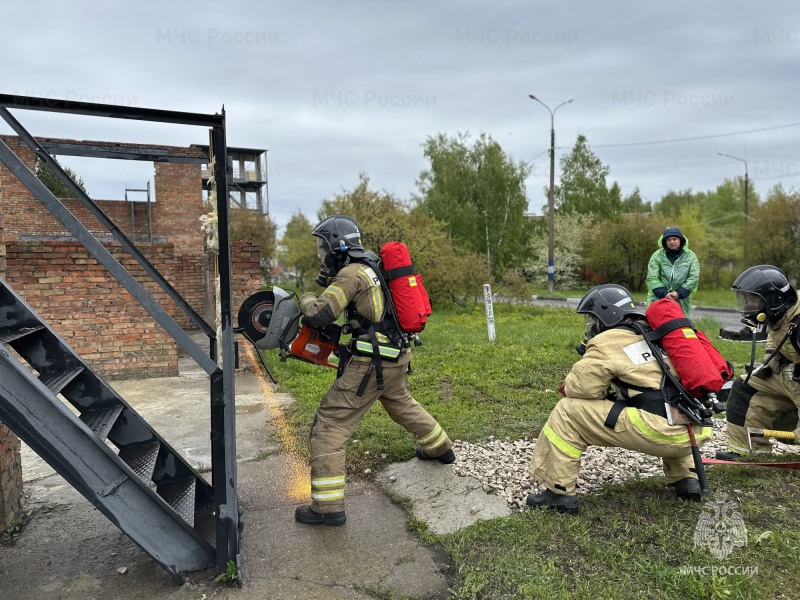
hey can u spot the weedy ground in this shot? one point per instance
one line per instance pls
(632, 541)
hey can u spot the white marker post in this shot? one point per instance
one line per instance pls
(487, 301)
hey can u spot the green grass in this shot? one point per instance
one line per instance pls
(628, 542)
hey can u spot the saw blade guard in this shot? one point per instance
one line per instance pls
(270, 319)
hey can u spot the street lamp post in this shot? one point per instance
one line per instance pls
(551, 271)
(746, 186)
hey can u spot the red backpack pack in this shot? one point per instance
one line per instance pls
(701, 367)
(411, 302)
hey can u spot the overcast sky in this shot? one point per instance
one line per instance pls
(335, 89)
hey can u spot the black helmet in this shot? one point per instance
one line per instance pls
(764, 290)
(609, 305)
(336, 237)
(339, 234)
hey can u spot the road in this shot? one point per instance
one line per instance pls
(727, 317)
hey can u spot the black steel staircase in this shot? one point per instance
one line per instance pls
(106, 450)
(144, 487)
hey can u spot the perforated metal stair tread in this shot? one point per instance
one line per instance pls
(141, 458)
(180, 496)
(56, 381)
(101, 420)
(15, 334)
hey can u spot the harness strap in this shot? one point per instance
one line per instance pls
(794, 330)
(647, 399)
(668, 327)
(399, 272)
(613, 414)
(651, 401)
(376, 358)
(375, 363)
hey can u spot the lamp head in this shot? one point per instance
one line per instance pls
(568, 100)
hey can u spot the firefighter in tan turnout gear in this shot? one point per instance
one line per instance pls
(377, 369)
(613, 397)
(770, 397)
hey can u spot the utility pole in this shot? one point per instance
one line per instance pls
(745, 198)
(551, 269)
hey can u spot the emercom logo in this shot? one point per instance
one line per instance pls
(720, 528)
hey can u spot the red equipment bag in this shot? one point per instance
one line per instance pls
(411, 302)
(701, 367)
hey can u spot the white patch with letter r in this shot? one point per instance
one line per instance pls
(639, 353)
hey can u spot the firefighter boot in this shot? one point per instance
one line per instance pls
(447, 458)
(728, 455)
(688, 488)
(305, 514)
(559, 502)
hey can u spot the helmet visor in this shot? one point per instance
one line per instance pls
(591, 327)
(322, 248)
(750, 303)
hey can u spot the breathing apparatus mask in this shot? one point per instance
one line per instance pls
(591, 330)
(752, 306)
(326, 261)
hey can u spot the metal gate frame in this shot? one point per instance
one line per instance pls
(222, 388)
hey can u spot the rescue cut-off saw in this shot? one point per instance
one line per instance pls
(270, 320)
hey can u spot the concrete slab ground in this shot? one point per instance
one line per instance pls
(69, 550)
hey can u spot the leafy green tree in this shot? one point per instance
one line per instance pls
(634, 203)
(673, 202)
(57, 187)
(298, 250)
(448, 272)
(618, 252)
(570, 233)
(582, 186)
(725, 205)
(479, 192)
(774, 231)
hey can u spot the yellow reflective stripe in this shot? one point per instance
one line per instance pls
(560, 443)
(385, 351)
(437, 431)
(338, 297)
(441, 439)
(326, 489)
(681, 438)
(327, 496)
(689, 333)
(327, 481)
(743, 450)
(376, 294)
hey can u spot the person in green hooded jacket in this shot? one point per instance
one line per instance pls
(673, 270)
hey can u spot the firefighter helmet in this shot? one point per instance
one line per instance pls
(609, 305)
(336, 237)
(764, 289)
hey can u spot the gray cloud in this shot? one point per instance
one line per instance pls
(336, 89)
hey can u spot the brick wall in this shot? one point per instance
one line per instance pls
(44, 276)
(174, 212)
(179, 206)
(95, 315)
(246, 272)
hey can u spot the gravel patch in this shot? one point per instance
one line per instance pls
(501, 466)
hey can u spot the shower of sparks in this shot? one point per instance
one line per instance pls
(298, 482)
